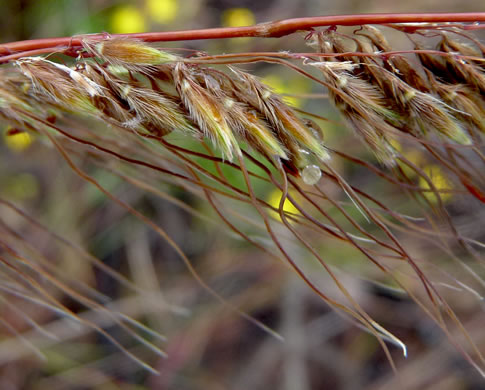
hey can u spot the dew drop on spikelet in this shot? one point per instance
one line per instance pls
(311, 174)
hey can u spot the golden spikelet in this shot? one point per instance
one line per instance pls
(128, 52)
(207, 111)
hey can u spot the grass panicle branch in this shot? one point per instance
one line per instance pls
(426, 101)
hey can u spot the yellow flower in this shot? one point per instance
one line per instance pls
(439, 180)
(237, 17)
(127, 19)
(17, 141)
(274, 199)
(162, 11)
(21, 186)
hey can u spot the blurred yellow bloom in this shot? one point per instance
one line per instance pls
(162, 11)
(414, 156)
(274, 199)
(127, 19)
(439, 180)
(434, 173)
(237, 17)
(18, 141)
(21, 186)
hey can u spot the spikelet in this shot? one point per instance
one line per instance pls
(254, 131)
(149, 107)
(398, 65)
(424, 112)
(207, 111)
(130, 53)
(470, 109)
(289, 128)
(243, 118)
(459, 83)
(450, 45)
(362, 105)
(155, 110)
(110, 106)
(60, 84)
(469, 74)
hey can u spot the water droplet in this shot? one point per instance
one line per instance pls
(304, 151)
(311, 174)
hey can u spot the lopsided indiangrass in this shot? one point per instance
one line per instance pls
(428, 98)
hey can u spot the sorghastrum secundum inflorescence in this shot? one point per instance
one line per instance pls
(430, 96)
(135, 86)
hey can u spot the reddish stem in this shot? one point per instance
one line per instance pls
(13, 50)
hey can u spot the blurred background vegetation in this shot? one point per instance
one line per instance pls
(208, 346)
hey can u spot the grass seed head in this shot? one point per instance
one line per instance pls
(148, 107)
(129, 53)
(60, 84)
(207, 111)
(289, 128)
(110, 105)
(425, 113)
(254, 130)
(470, 108)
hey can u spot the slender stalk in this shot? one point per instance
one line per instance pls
(276, 29)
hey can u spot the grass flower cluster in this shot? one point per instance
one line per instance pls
(420, 111)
